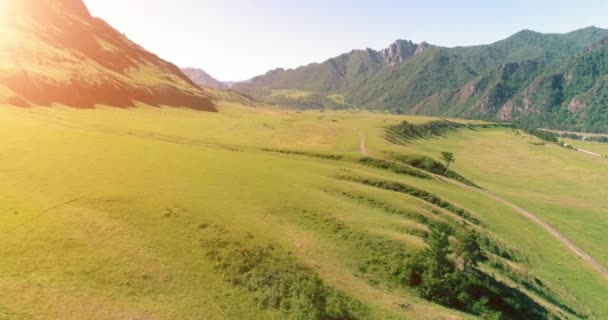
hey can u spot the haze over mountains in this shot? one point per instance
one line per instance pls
(202, 78)
(541, 79)
(55, 52)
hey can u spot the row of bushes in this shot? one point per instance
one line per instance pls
(447, 274)
(487, 243)
(444, 273)
(541, 134)
(394, 167)
(411, 131)
(415, 192)
(276, 280)
(430, 165)
(575, 136)
(307, 154)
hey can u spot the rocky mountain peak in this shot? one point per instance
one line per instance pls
(401, 50)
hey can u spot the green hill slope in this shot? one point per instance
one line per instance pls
(272, 214)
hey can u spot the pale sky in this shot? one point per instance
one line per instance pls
(236, 40)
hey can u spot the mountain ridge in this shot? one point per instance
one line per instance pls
(421, 83)
(202, 78)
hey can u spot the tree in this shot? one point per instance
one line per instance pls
(439, 248)
(448, 158)
(470, 251)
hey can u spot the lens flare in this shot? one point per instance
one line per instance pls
(4, 8)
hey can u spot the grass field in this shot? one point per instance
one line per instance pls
(595, 147)
(144, 213)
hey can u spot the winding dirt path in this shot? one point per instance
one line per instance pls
(561, 237)
(589, 152)
(578, 251)
(530, 216)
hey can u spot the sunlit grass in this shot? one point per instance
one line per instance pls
(107, 205)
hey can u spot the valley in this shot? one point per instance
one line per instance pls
(119, 202)
(417, 181)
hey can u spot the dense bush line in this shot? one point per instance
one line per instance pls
(430, 165)
(395, 167)
(410, 131)
(277, 281)
(307, 154)
(415, 192)
(541, 134)
(420, 218)
(445, 273)
(456, 282)
(487, 242)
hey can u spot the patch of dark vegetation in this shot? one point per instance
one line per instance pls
(457, 282)
(487, 242)
(539, 144)
(276, 280)
(541, 134)
(407, 131)
(430, 165)
(445, 273)
(597, 139)
(533, 284)
(582, 137)
(420, 218)
(307, 154)
(394, 167)
(414, 192)
(377, 258)
(499, 249)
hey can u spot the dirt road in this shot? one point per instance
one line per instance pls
(529, 215)
(589, 152)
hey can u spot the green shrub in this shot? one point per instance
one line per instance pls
(277, 281)
(395, 167)
(430, 165)
(406, 131)
(307, 154)
(436, 278)
(415, 192)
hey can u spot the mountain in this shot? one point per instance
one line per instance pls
(55, 52)
(569, 93)
(202, 78)
(474, 82)
(336, 74)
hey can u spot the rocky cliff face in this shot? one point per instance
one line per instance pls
(60, 54)
(401, 50)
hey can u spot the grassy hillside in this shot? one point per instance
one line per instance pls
(55, 52)
(161, 213)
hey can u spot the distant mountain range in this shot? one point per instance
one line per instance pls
(555, 80)
(55, 52)
(202, 78)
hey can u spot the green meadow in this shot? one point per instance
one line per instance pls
(164, 213)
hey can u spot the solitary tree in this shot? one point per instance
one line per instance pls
(448, 158)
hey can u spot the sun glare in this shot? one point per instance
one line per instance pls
(4, 6)
(6, 31)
